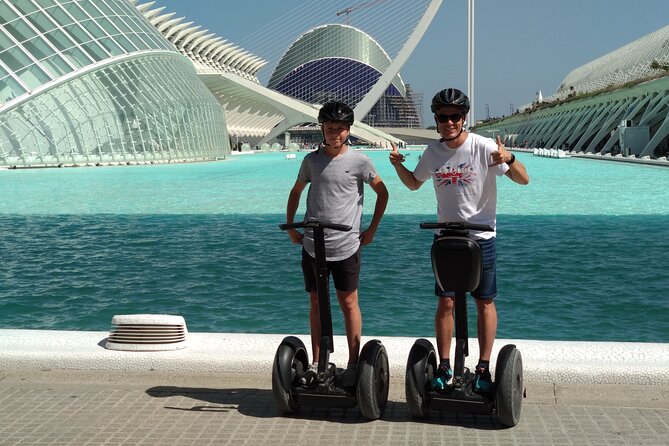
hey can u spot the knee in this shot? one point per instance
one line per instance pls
(445, 306)
(348, 301)
(485, 305)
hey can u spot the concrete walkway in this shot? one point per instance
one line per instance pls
(65, 388)
(66, 407)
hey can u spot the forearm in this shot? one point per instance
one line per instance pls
(379, 209)
(518, 173)
(291, 207)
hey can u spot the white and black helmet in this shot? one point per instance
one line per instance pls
(450, 96)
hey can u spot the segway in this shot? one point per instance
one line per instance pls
(289, 388)
(456, 262)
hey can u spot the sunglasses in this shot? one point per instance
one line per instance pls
(455, 117)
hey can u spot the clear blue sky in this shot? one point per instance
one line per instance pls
(522, 46)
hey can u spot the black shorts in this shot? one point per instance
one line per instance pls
(345, 273)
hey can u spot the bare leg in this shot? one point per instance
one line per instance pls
(348, 301)
(443, 326)
(486, 326)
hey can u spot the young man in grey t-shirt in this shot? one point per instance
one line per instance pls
(335, 195)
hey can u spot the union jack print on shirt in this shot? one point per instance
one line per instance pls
(460, 175)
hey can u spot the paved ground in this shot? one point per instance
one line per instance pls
(66, 407)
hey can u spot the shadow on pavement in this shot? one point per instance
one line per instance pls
(260, 404)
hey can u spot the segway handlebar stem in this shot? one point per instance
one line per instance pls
(458, 226)
(315, 224)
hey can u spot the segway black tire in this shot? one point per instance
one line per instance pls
(420, 369)
(373, 380)
(290, 362)
(510, 386)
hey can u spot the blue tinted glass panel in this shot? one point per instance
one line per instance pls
(41, 22)
(38, 48)
(9, 88)
(33, 76)
(6, 13)
(111, 46)
(61, 17)
(125, 43)
(25, 6)
(76, 12)
(5, 42)
(46, 3)
(15, 59)
(57, 65)
(94, 50)
(137, 41)
(90, 8)
(93, 29)
(77, 57)
(20, 30)
(59, 39)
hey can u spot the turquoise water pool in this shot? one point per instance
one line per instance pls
(582, 249)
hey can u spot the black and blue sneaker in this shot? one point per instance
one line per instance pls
(441, 378)
(483, 381)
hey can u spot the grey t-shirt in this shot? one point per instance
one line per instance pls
(336, 196)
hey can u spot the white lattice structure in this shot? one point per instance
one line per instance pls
(232, 73)
(201, 45)
(632, 61)
(93, 83)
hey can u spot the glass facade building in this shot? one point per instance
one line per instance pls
(92, 81)
(343, 63)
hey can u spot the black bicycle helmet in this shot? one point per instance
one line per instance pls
(335, 111)
(450, 96)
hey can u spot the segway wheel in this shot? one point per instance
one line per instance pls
(421, 365)
(290, 362)
(373, 380)
(510, 387)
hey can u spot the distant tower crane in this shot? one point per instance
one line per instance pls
(350, 9)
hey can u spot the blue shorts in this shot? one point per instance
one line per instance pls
(487, 288)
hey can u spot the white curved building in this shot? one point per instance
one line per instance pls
(262, 113)
(623, 108)
(92, 82)
(100, 82)
(631, 62)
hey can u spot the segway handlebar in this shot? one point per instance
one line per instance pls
(452, 225)
(315, 224)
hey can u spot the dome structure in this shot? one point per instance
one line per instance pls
(333, 61)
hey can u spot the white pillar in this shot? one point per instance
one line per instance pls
(470, 61)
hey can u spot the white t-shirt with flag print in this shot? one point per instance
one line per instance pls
(465, 181)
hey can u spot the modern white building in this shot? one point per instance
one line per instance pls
(92, 82)
(617, 104)
(338, 61)
(263, 113)
(105, 82)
